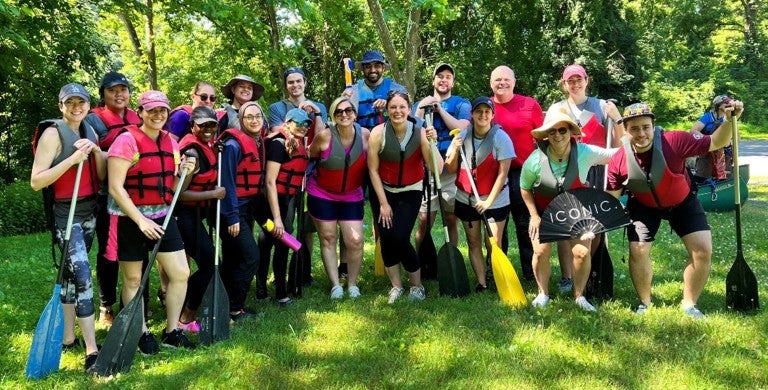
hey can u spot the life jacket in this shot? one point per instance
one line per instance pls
(288, 105)
(660, 188)
(114, 123)
(452, 106)
(233, 120)
(203, 180)
(150, 180)
(593, 131)
(342, 171)
(291, 175)
(484, 165)
(549, 186)
(64, 186)
(250, 168)
(367, 116)
(400, 168)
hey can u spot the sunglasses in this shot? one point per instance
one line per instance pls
(204, 97)
(561, 130)
(256, 117)
(348, 111)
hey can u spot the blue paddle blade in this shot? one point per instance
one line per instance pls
(45, 352)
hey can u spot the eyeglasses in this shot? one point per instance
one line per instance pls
(561, 130)
(576, 81)
(348, 111)
(204, 97)
(256, 117)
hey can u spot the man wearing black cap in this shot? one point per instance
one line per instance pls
(109, 119)
(449, 112)
(295, 83)
(370, 93)
(239, 90)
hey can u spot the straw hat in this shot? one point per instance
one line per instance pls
(551, 120)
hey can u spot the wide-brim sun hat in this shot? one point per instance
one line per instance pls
(371, 56)
(551, 121)
(258, 89)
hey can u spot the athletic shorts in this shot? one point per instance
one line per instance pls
(447, 190)
(468, 213)
(685, 218)
(329, 210)
(133, 245)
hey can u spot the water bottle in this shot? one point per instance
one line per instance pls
(287, 239)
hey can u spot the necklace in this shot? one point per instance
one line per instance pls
(559, 156)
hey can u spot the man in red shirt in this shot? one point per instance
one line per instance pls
(517, 115)
(651, 167)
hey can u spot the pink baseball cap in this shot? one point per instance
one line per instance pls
(151, 99)
(574, 70)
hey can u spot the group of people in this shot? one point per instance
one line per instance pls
(375, 143)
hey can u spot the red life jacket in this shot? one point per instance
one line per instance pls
(249, 169)
(341, 171)
(660, 188)
(549, 186)
(115, 123)
(291, 175)
(394, 161)
(64, 186)
(150, 180)
(203, 180)
(593, 132)
(485, 172)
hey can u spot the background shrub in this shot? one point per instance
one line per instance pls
(21, 211)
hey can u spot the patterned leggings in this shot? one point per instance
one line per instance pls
(76, 284)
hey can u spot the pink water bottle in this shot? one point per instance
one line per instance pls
(288, 240)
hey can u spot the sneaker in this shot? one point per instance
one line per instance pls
(75, 344)
(283, 302)
(641, 309)
(191, 326)
(261, 294)
(566, 285)
(354, 292)
(337, 292)
(541, 300)
(694, 312)
(148, 344)
(241, 315)
(106, 316)
(90, 360)
(394, 294)
(584, 304)
(176, 339)
(480, 288)
(417, 293)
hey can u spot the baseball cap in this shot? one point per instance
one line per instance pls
(483, 100)
(292, 70)
(637, 110)
(574, 70)
(203, 114)
(152, 99)
(73, 90)
(298, 116)
(441, 67)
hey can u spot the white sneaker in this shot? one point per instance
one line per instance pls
(584, 304)
(394, 294)
(337, 292)
(417, 293)
(354, 292)
(541, 300)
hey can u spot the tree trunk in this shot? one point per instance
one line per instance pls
(752, 36)
(274, 40)
(129, 27)
(412, 46)
(386, 39)
(149, 27)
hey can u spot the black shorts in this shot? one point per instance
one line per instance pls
(685, 218)
(133, 245)
(329, 210)
(468, 213)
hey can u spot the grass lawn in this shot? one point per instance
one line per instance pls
(475, 342)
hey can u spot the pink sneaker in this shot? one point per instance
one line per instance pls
(192, 326)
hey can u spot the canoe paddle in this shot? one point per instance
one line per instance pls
(740, 283)
(119, 347)
(45, 351)
(507, 283)
(214, 316)
(427, 252)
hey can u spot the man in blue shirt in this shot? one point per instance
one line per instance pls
(295, 83)
(370, 93)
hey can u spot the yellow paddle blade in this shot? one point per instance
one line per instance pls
(507, 283)
(378, 261)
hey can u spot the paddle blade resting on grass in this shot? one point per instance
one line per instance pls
(214, 316)
(451, 271)
(600, 282)
(507, 283)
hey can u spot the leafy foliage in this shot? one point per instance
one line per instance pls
(22, 211)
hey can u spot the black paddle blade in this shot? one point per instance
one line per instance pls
(214, 316)
(117, 352)
(600, 283)
(451, 272)
(45, 351)
(741, 287)
(428, 258)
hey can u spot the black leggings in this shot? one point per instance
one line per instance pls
(197, 245)
(396, 244)
(287, 206)
(240, 258)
